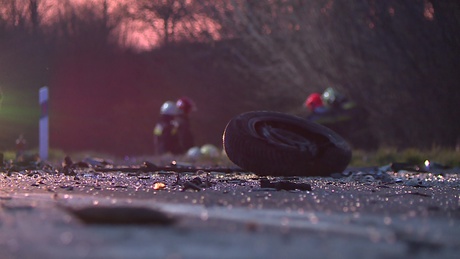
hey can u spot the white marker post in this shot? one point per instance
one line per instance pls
(44, 131)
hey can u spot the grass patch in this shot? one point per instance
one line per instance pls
(385, 156)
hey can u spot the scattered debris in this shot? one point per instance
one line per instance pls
(285, 185)
(98, 162)
(24, 165)
(396, 167)
(196, 184)
(415, 182)
(67, 187)
(122, 216)
(191, 186)
(148, 166)
(69, 164)
(409, 193)
(99, 165)
(430, 165)
(369, 176)
(159, 186)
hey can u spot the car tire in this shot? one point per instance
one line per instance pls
(277, 144)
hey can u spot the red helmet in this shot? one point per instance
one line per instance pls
(313, 101)
(185, 104)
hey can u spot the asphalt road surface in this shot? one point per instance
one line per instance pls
(361, 213)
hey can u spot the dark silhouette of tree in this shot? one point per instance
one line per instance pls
(163, 16)
(390, 56)
(34, 15)
(88, 24)
(397, 59)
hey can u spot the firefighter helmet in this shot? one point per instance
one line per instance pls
(169, 108)
(313, 101)
(185, 104)
(332, 97)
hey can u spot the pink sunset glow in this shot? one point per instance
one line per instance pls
(131, 32)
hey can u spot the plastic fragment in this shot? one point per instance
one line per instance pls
(285, 185)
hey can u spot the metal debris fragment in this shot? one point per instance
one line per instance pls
(122, 216)
(285, 185)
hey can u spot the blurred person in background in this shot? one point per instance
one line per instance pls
(165, 132)
(21, 144)
(184, 134)
(314, 104)
(337, 112)
(329, 108)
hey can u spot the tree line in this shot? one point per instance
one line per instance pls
(397, 59)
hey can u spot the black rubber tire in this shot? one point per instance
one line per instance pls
(277, 144)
